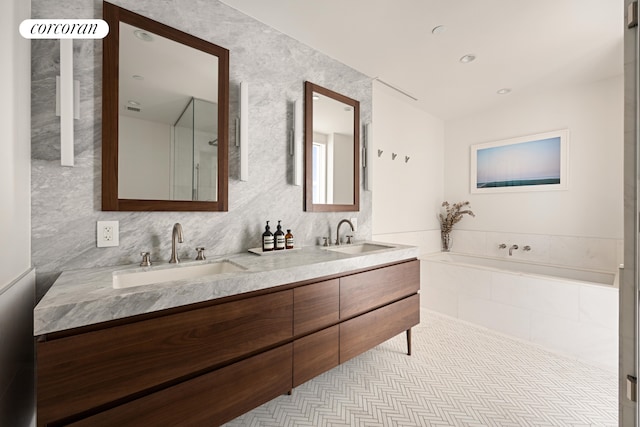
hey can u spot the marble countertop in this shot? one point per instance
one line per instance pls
(84, 297)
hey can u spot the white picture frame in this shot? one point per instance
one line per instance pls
(536, 162)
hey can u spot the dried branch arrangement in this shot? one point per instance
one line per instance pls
(453, 214)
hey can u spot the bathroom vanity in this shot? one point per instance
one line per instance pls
(206, 350)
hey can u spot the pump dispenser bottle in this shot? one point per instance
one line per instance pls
(279, 238)
(267, 239)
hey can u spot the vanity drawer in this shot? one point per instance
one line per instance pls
(315, 354)
(209, 400)
(367, 331)
(81, 372)
(316, 306)
(362, 292)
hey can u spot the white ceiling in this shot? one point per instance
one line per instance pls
(167, 85)
(526, 45)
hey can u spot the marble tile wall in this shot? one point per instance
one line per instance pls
(66, 202)
(568, 251)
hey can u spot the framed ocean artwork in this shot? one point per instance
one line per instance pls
(530, 163)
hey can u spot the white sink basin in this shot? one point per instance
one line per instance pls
(180, 272)
(358, 248)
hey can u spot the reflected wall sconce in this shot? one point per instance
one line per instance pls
(67, 101)
(393, 156)
(380, 153)
(244, 131)
(406, 159)
(296, 145)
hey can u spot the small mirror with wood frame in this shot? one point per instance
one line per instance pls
(165, 117)
(332, 151)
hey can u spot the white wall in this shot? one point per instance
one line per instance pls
(406, 196)
(15, 111)
(144, 159)
(592, 207)
(342, 164)
(17, 281)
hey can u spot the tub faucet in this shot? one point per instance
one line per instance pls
(338, 230)
(512, 248)
(176, 234)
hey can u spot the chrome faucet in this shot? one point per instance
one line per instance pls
(176, 233)
(338, 230)
(512, 248)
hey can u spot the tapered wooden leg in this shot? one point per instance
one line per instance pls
(409, 342)
(290, 392)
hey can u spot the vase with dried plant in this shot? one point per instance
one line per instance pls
(451, 215)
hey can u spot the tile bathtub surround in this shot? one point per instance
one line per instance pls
(569, 251)
(66, 202)
(580, 320)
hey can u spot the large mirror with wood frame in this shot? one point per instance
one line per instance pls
(165, 105)
(332, 148)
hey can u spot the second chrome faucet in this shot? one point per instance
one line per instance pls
(176, 234)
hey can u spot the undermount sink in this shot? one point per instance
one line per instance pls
(358, 248)
(125, 279)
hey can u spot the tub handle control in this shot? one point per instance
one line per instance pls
(526, 248)
(502, 246)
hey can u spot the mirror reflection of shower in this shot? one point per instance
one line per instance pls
(195, 152)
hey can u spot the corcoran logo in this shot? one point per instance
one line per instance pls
(64, 29)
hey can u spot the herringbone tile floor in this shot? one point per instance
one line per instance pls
(459, 375)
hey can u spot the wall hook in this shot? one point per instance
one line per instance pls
(406, 159)
(393, 156)
(380, 153)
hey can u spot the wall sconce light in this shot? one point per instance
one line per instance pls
(244, 131)
(380, 152)
(393, 156)
(297, 144)
(406, 159)
(367, 165)
(67, 108)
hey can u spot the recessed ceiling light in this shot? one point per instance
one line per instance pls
(316, 97)
(468, 58)
(438, 29)
(134, 103)
(348, 108)
(137, 77)
(504, 91)
(143, 35)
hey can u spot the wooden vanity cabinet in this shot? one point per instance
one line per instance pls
(386, 303)
(315, 306)
(90, 371)
(365, 291)
(367, 331)
(207, 364)
(208, 400)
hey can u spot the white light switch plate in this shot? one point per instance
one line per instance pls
(107, 234)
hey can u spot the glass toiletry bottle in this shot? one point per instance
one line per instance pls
(279, 238)
(288, 240)
(267, 239)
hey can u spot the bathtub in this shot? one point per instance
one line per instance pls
(567, 310)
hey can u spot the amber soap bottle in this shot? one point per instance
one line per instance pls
(288, 240)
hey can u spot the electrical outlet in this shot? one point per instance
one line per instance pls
(354, 221)
(107, 234)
